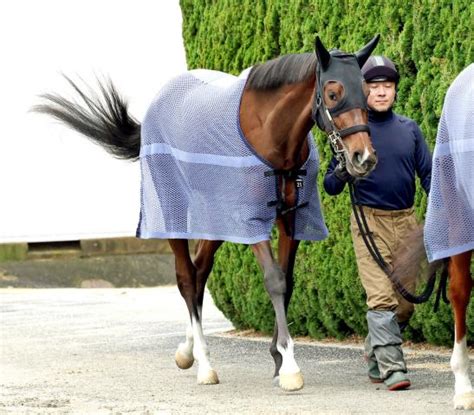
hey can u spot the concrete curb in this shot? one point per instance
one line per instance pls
(84, 248)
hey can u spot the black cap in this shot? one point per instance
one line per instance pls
(380, 68)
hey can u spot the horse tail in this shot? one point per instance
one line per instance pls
(103, 118)
(410, 265)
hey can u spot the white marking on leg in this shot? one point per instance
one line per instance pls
(289, 364)
(187, 347)
(184, 355)
(290, 377)
(206, 375)
(461, 368)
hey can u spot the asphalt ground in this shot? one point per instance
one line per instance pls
(111, 351)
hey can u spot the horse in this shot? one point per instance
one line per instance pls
(448, 232)
(269, 110)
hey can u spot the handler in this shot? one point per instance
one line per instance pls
(387, 197)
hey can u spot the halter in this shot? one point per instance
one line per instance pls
(353, 98)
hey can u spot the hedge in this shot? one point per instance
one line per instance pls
(431, 42)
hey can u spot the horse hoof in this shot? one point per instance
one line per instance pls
(464, 401)
(208, 378)
(276, 381)
(183, 361)
(291, 381)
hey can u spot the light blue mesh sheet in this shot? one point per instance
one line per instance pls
(449, 225)
(201, 179)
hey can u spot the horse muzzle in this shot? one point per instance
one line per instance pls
(361, 164)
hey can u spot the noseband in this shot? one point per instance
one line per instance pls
(323, 116)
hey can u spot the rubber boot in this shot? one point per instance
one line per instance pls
(372, 366)
(385, 339)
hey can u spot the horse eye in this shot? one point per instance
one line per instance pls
(332, 96)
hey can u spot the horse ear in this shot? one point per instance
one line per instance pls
(322, 54)
(363, 54)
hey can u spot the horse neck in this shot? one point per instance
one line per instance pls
(276, 123)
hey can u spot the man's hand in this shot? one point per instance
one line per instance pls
(343, 175)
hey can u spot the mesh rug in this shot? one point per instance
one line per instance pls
(200, 177)
(449, 225)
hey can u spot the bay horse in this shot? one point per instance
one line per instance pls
(269, 110)
(449, 226)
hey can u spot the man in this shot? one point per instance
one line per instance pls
(387, 198)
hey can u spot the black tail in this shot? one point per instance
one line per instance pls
(410, 266)
(103, 119)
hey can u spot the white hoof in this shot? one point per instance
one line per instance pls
(464, 401)
(208, 378)
(183, 360)
(291, 381)
(276, 381)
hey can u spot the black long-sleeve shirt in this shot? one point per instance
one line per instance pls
(402, 152)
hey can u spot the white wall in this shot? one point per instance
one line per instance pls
(54, 184)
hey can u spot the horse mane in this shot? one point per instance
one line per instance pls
(284, 70)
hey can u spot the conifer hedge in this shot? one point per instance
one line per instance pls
(431, 42)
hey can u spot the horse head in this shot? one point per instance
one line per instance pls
(340, 106)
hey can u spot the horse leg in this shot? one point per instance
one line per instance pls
(203, 262)
(195, 346)
(185, 279)
(287, 248)
(290, 377)
(460, 286)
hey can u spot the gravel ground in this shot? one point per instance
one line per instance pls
(110, 351)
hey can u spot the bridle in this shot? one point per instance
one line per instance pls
(323, 116)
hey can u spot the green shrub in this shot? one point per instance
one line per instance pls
(431, 42)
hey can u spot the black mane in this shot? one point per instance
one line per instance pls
(285, 70)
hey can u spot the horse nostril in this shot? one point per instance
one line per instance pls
(357, 158)
(371, 162)
(373, 159)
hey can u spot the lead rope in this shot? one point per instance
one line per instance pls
(367, 236)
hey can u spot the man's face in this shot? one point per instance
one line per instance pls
(381, 95)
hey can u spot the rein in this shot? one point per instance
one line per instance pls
(367, 236)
